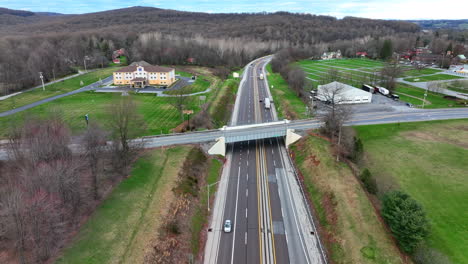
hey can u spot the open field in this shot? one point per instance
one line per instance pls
(436, 100)
(415, 72)
(124, 225)
(457, 86)
(55, 89)
(159, 113)
(435, 77)
(355, 72)
(286, 101)
(352, 230)
(428, 161)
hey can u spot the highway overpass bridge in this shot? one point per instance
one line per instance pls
(286, 128)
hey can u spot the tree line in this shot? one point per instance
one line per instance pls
(48, 186)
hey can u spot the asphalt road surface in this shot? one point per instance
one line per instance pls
(266, 225)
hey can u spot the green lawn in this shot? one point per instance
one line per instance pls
(353, 231)
(415, 72)
(55, 89)
(437, 100)
(457, 86)
(287, 104)
(317, 69)
(427, 160)
(159, 114)
(123, 225)
(435, 77)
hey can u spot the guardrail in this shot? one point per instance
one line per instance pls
(309, 213)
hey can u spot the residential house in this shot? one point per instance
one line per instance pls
(331, 55)
(361, 54)
(139, 75)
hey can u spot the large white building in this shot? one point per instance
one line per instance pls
(342, 93)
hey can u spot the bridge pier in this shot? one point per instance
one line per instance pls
(291, 137)
(219, 148)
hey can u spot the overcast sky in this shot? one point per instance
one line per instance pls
(382, 9)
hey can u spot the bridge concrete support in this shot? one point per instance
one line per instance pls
(219, 148)
(291, 137)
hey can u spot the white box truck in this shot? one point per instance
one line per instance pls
(267, 103)
(383, 90)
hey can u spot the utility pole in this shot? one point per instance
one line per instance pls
(425, 94)
(84, 62)
(42, 80)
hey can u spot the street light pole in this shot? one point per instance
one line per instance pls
(208, 188)
(42, 80)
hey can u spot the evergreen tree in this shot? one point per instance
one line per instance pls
(387, 50)
(406, 218)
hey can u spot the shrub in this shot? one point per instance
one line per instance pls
(425, 254)
(368, 181)
(406, 218)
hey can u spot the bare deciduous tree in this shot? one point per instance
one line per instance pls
(435, 87)
(179, 101)
(296, 80)
(336, 113)
(95, 144)
(126, 124)
(389, 74)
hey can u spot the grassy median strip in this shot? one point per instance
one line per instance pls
(55, 89)
(126, 221)
(351, 228)
(428, 161)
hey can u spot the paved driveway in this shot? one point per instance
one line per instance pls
(90, 87)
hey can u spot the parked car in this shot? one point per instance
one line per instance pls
(395, 97)
(409, 105)
(227, 226)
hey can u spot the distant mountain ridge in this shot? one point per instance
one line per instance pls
(22, 13)
(461, 24)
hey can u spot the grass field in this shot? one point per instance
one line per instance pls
(353, 231)
(287, 104)
(126, 222)
(457, 86)
(436, 100)
(158, 112)
(427, 160)
(415, 72)
(55, 89)
(350, 71)
(435, 77)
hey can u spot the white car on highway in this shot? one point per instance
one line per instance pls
(227, 226)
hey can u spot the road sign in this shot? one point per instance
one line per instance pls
(187, 112)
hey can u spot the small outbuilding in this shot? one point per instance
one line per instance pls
(341, 93)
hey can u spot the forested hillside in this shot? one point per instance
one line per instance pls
(57, 45)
